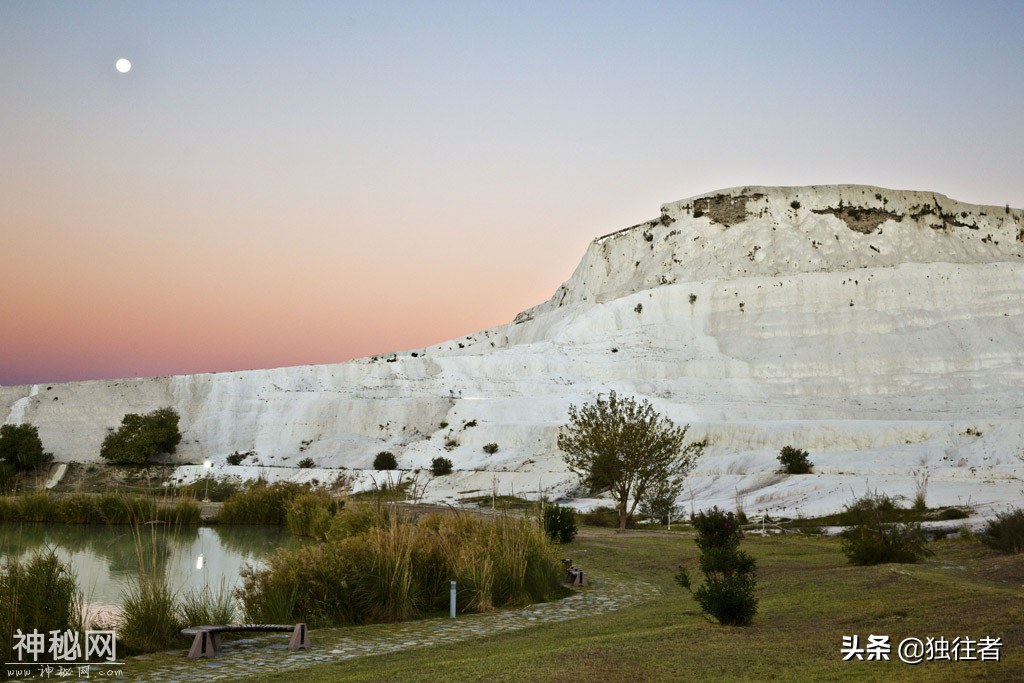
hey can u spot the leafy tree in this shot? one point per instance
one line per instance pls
(21, 447)
(140, 437)
(625, 447)
(795, 461)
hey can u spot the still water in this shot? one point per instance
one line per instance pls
(106, 558)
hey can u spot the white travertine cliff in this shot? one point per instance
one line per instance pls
(881, 330)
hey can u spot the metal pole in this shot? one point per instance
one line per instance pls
(451, 609)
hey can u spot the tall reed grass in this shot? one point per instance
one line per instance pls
(39, 593)
(380, 567)
(103, 508)
(261, 503)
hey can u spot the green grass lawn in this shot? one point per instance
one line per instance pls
(809, 598)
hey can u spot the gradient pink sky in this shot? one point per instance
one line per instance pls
(292, 183)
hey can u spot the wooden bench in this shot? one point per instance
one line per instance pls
(206, 639)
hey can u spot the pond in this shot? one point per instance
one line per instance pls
(106, 558)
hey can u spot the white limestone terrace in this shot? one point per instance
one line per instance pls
(881, 330)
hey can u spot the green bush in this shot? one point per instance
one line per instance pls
(21, 447)
(953, 513)
(1006, 531)
(441, 466)
(876, 536)
(385, 460)
(560, 523)
(39, 593)
(141, 437)
(795, 461)
(727, 593)
(490, 448)
(306, 463)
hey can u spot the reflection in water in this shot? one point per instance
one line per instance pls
(107, 557)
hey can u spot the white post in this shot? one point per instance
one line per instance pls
(451, 609)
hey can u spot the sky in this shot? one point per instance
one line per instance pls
(291, 183)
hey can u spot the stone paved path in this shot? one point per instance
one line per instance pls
(243, 658)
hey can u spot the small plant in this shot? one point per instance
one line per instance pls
(693, 298)
(638, 309)
(449, 444)
(794, 204)
(1006, 531)
(441, 466)
(471, 423)
(877, 537)
(795, 461)
(306, 463)
(560, 523)
(236, 458)
(727, 593)
(443, 425)
(385, 460)
(921, 478)
(490, 448)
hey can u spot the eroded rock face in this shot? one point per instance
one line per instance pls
(878, 329)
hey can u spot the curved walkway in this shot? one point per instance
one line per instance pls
(243, 658)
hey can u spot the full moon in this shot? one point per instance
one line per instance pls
(123, 65)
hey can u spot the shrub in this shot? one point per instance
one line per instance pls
(449, 444)
(385, 460)
(236, 458)
(443, 425)
(21, 447)
(727, 593)
(471, 423)
(490, 448)
(1006, 531)
(441, 466)
(560, 523)
(306, 463)
(795, 461)
(141, 437)
(794, 204)
(876, 537)
(953, 513)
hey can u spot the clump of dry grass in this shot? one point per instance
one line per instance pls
(378, 566)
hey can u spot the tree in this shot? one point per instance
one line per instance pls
(795, 461)
(21, 447)
(625, 447)
(140, 437)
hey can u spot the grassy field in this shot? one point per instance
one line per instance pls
(809, 598)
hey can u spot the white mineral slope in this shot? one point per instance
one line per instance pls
(881, 330)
